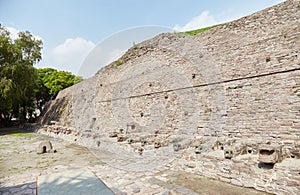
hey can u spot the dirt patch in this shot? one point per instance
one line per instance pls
(208, 186)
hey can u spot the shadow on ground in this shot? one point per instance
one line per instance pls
(27, 188)
(16, 131)
(73, 182)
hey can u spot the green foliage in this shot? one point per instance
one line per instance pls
(5, 87)
(22, 87)
(119, 63)
(17, 74)
(30, 48)
(55, 80)
(78, 79)
(22, 134)
(197, 31)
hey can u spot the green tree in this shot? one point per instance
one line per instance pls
(55, 80)
(50, 82)
(22, 87)
(8, 55)
(17, 74)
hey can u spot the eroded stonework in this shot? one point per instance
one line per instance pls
(224, 104)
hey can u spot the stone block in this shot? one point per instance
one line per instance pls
(44, 147)
(236, 182)
(269, 154)
(228, 153)
(224, 179)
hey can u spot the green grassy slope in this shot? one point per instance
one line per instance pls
(197, 31)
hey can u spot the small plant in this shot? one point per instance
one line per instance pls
(195, 32)
(119, 63)
(22, 134)
(134, 46)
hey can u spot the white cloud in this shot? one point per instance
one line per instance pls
(71, 53)
(14, 33)
(206, 19)
(280, 1)
(203, 20)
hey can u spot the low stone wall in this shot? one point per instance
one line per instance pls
(232, 160)
(245, 170)
(87, 138)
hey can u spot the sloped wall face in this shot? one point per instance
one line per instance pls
(225, 100)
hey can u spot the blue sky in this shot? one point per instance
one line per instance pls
(70, 29)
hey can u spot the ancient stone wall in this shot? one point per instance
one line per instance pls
(228, 100)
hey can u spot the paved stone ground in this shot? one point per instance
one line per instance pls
(28, 188)
(120, 182)
(81, 181)
(20, 165)
(123, 183)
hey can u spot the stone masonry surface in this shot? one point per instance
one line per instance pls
(223, 104)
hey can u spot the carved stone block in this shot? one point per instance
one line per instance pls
(269, 154)
(45, 147)
(228, 153)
